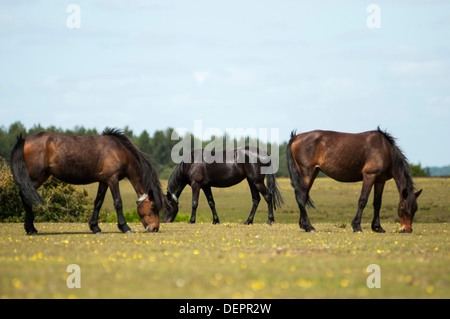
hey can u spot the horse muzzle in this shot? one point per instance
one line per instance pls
(406, 230)
(151, 229)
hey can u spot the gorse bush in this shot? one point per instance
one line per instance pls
(63, 202)
(10, 204)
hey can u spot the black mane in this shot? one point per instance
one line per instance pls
(176, 177)
(149, 176)
(114, 132)
(401, 166)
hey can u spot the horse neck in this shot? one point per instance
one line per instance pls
(400, 182)
(401, 171)
(404, 182)
(136, 181)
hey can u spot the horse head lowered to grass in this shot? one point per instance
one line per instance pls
(203, 173)
(105, 159)
(371, 157)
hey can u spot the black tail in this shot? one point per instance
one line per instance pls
(293, 172)
(272, 186)
(20, 174)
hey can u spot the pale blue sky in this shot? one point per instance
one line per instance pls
(232, 64)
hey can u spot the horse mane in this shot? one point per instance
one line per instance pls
(176, 175)
(401, 168)
(149, 176)
(293, 134)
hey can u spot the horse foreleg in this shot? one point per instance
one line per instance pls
(121, 222)
(378, 193)
(212, 205)
(368, 181)
(93, 223)
(195, 193)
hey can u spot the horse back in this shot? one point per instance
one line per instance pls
(73, 159)
(229, 168)
(346, 157)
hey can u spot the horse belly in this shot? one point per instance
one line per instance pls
(224, 175)
(74, 166)
(346, 176)
(73, 172)
(342, 167)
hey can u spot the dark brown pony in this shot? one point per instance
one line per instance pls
(372, 157)
(236, 165)
(106, 159)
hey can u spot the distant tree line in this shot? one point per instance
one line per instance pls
(158, 146)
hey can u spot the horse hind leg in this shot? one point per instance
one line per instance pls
(212, 205)
(268, 198)
(255, 202)
(93, 223)
(29, 214)
(29, 217)
(195, 194)
(303, 200)
(368, 181)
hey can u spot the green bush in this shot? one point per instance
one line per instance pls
(10, 204)
(63, 202)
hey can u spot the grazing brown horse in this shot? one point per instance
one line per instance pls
(106, 159)
(242, 163)
(372, 157)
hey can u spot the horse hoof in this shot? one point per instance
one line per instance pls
(357, 230)
(95, 229)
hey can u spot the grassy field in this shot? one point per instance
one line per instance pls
(232, 260)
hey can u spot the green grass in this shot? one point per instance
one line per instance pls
(232, 260)
(335, 202)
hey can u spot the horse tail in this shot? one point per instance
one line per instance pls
(272, 186)
(27, 191)
(293, 172)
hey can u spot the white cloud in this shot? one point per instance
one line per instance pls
(200, 77)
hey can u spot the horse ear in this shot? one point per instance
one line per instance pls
(417, 194)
